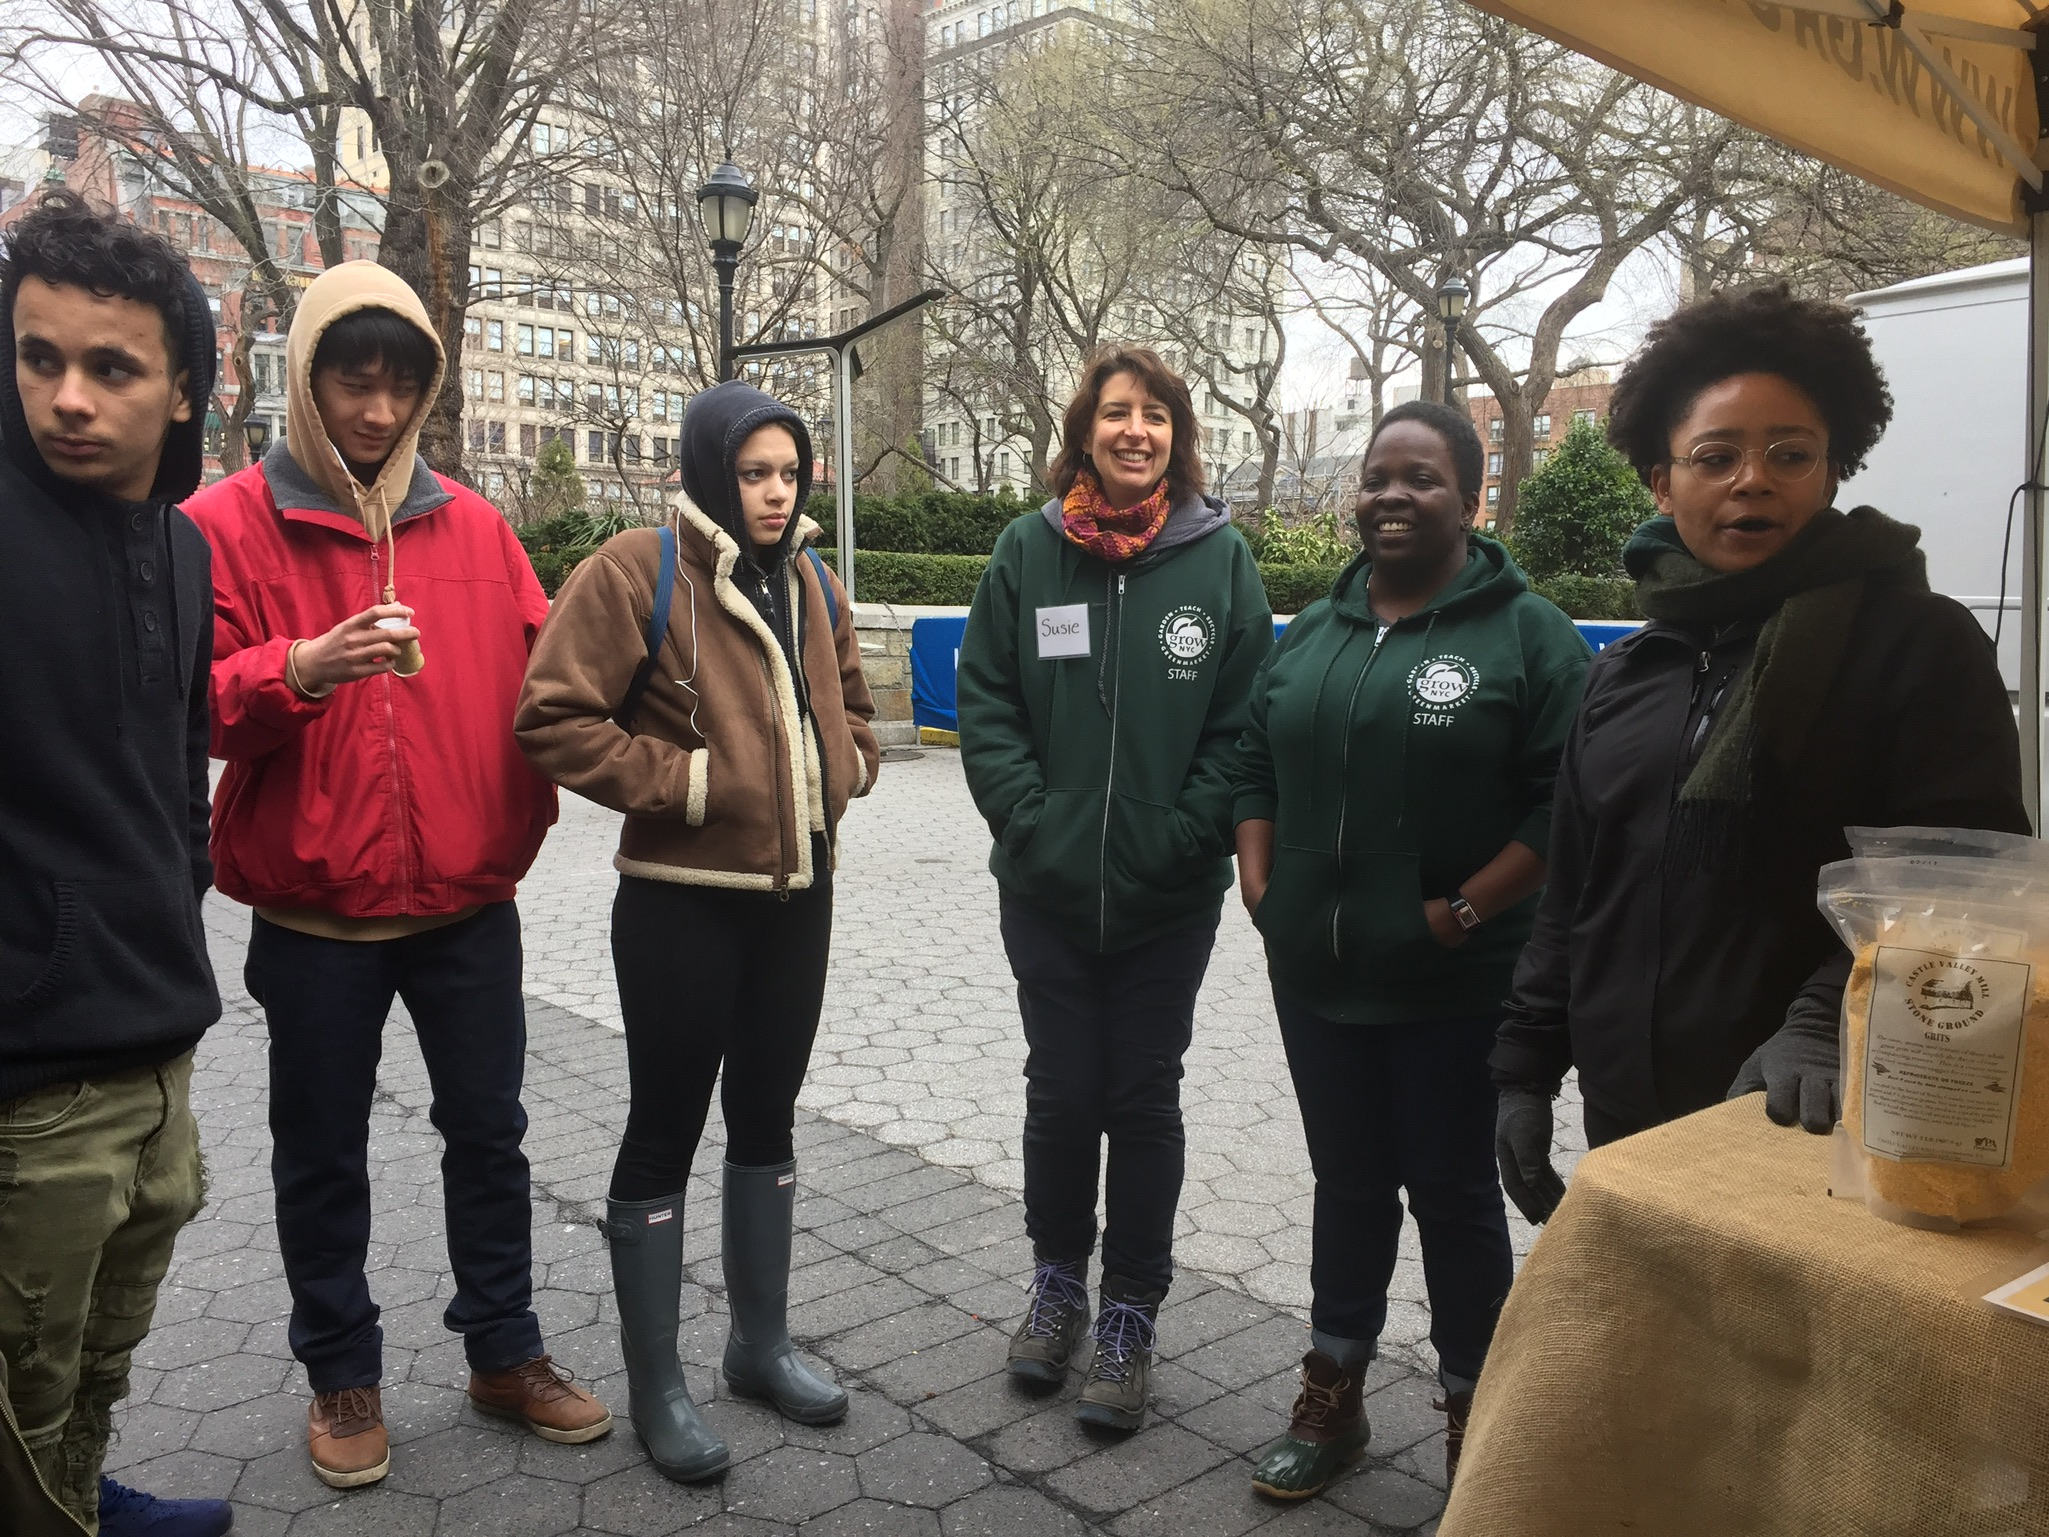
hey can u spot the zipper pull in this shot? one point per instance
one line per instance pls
(1707, 660)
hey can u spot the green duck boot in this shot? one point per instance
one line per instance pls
(647, 1277)
(761, 1363)
(1327, 1430)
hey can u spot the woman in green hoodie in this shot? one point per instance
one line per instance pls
(1393, 805)
(1104, 683)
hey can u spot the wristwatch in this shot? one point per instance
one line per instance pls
(1462, 910)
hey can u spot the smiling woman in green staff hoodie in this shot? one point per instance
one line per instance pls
(1393, 805)
(1104, 681)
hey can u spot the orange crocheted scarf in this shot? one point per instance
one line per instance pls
(1091, 522)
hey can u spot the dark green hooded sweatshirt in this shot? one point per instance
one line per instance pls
(1101, 753)
(1395, 761)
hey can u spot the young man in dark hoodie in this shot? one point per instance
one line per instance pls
(105, 986)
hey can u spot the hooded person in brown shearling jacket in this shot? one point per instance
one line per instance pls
(733, 769)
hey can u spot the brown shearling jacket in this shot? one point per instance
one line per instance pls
(713, 793)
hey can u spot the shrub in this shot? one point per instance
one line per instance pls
(556, 544)
(1574, 515)
(1290, 589)
(921, 523)
(1591, 597)
(1322, 540)
(891, 576)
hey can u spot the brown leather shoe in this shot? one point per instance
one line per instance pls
(345, 1438)
(1458, 1408)
(541, 1393)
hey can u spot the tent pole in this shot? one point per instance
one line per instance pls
(2034, 549)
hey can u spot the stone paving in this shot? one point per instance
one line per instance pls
(908, 1259)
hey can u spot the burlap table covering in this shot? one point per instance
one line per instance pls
(1705, 1342)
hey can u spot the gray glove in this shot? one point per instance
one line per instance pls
(1522, 1146)
(1799, 1070)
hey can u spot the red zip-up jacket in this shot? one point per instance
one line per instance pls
(391, 796)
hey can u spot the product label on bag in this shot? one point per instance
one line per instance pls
(1943, 1059)
(1063, 631)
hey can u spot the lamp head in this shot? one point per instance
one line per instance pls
(1451, 300)
(256, 433)
(725, 205)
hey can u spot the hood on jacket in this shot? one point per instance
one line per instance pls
(340, 291)
(716, 424)
(1195, 516)
(184, 455)
(1490, 575)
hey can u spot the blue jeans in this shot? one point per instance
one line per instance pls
(1388, 1108)
(325, 1001)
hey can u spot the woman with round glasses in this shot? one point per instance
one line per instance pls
(1796, 677)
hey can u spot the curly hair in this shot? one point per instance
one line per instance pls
(64, 239)
(1813, 344)
(1184, 454)
(1461, 439)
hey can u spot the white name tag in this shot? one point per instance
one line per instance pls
(1063, 631)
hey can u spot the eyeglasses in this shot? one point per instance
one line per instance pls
(1789, 462)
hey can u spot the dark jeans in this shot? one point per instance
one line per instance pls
(1388, 1108)
(747, 995)
(326, 1001)
(1603, 1128)
(1105, 1037)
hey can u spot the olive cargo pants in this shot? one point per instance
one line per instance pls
(96, 1179)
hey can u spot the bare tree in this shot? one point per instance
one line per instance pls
(446, 91)
(1428, 141)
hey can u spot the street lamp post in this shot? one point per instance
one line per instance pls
(725, 205)
(1451, 309)
(256, 434)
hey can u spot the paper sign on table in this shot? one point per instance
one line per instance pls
(2028, 1296)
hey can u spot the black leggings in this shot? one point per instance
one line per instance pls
(709, 975)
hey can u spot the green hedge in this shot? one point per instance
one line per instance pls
(921, 523)
(890, 576)
(1592, 597)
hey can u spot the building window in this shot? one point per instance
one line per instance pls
(473, 329)
(1582, 418)
(1003, 465)
(1245, 442)
(630, 445)
(495, 386)
(528, 439)
(1494, 464)
(494, 335)
(476, 383)
(1537, 459)
(1494, 429)
(1493, 497)
(476, 436)
(526, 389)
(524, 340)
(1542, 424)
(497, 437)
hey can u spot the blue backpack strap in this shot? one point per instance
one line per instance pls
(832, 602)
(657, 628)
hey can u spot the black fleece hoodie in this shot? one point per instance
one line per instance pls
(718, 422)
(103, 785)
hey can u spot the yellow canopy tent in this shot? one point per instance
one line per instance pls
(1934, 99)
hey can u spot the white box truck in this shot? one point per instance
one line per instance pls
(1954, 351)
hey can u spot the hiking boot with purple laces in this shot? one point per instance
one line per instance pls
(1115, 1391)
(1053, 1324)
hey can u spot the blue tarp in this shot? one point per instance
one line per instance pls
(935, 658)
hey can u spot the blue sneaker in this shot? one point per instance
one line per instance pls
(126, 1512)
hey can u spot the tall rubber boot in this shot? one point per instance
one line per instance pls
(760, 1360)
(647, 1278)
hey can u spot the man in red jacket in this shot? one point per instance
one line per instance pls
(377, 814)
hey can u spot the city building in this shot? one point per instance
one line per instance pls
(1580, 395)
(106, 153)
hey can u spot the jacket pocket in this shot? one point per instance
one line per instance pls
(1060, 861)
(128, 941)
(1379, 920)
(57, 955)
(1150, 849)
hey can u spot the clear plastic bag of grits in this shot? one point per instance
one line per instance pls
(1945, 1028)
